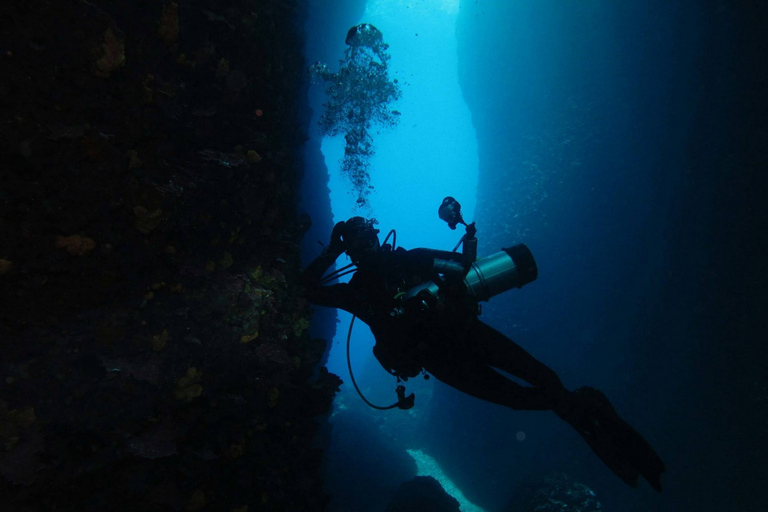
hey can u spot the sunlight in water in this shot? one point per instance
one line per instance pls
(432, 152)
(417, 7)
(427, 466)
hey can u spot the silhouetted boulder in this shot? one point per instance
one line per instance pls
(422, 494)
(554, 493)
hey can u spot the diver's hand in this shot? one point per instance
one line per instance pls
(337, 245)
(471, 230)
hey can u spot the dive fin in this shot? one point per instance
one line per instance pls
(612, 439)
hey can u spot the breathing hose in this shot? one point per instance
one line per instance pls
(403, 402)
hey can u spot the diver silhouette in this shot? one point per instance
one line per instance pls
(422, 308)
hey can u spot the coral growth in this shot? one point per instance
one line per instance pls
(554, 493)
(146, 221)
(5, 266)
(76, 245)
(188, 387)
(169, 23)
(113, 56)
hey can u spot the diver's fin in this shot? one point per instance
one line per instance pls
(612, 439)
(643, 456)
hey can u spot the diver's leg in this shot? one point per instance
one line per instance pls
(475, 378)
(501, 352)
(587, 410)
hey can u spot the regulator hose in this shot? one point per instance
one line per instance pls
(403, 402)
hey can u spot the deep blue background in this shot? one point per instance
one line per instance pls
(645, 122)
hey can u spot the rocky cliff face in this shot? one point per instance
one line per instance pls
(153, 343)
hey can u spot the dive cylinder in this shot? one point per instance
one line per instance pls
(509, 268)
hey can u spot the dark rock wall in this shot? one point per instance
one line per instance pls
(153, 343)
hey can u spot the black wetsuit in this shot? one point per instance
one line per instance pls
(451, 343)
(448, 341)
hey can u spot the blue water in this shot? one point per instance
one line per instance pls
(603, 135)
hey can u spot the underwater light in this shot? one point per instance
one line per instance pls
(427, 466)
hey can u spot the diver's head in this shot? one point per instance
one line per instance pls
(360, 238)
(364, 34)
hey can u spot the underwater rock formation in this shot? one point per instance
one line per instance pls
(554, 493)
(422, 494)
(153, 344)
(359, 95)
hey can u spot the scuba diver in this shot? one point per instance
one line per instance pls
(422, 308)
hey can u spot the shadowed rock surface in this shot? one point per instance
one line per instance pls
(154, 352)
(422, 494)
(554, 493)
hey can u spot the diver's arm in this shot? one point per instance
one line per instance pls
(314, 272)
(333, 296)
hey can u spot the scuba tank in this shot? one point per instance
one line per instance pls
(509, 268)
(487, 277)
